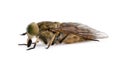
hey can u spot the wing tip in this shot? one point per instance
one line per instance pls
(101, 35)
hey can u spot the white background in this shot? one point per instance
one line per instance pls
(103, 15)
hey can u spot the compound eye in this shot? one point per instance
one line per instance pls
(29, 43)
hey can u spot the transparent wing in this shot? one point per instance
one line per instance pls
(81, 30)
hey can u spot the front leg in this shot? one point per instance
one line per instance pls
(22, 44)
(29, 42)
(37, 40)
(24, 33)
(33, 46)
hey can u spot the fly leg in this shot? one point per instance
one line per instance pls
(51, 41)
(22, 44)
(63, 38)
(32, 47)
(24, 33)
(37, 40)
(56, 38)
(29, 42)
